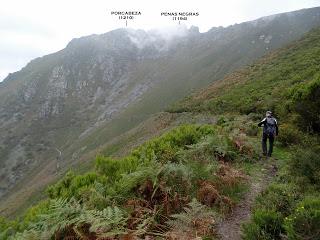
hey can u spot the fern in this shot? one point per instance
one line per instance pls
(130, 181)
(63, 215)
(108, 222)
(147, 223)
(177, 176)
(189, 219)
(28, 235)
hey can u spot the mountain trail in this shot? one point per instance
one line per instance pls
(229, 228)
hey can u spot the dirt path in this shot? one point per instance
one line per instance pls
(230, 227)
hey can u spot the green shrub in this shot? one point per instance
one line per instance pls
(255, 116)
(162, 149)
(177, 176)
(265, 225)
(96, 197)
(279, 198)
(72, 185)
(10, 228)
(33, 213)
(304, 223)
(248, 107)
(7, 228)
(251, 129)
(305, 166)
(289, 135)
(222, 148)
(113, 169)
(55, 190)
(306, 102)
(128, 182)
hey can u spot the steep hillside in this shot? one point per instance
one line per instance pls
(266, 85)
(61, 107)
(179, 184)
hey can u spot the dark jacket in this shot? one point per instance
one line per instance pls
(265, 124)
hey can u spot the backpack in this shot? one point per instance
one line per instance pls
(270, 128)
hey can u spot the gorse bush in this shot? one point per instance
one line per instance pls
(265, 225)
(304, 222)
(72, 185)
(115, 168)
(163, 149)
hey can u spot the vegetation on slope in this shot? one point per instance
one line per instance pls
(273, 83)
(183, 178)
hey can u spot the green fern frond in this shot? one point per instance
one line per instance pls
(193, 212)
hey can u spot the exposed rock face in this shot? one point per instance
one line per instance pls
(63, 100)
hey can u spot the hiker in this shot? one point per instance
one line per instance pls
(270, 130)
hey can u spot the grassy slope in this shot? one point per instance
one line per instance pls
(262, 85)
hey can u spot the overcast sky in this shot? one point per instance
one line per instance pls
(33, 28)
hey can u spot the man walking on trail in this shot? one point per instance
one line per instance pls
(270, 130)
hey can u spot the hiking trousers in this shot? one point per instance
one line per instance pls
(265, 137)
